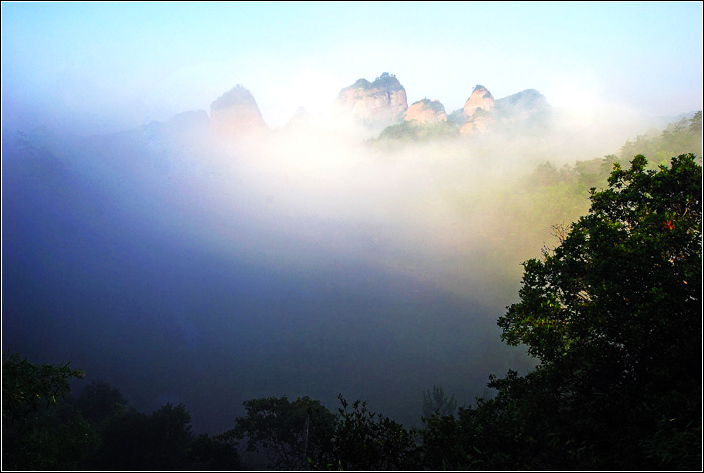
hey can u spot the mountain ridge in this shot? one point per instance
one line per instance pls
(382, 103)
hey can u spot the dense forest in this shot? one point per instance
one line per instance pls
(611, 314)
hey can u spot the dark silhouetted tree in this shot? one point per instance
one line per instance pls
(135, 441)
(213, 453)
(39, 431)
(363, 440)
(284, 431)
(613, 314)
(437, 403)
(99, 400)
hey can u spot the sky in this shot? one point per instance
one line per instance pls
(107, 66)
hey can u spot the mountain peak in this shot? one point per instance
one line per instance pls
(376, 104)
(387, 82)
(238, 95)
(236, 113)
(481, 99)
(426, 111)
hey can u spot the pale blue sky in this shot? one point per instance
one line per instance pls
(110, 66)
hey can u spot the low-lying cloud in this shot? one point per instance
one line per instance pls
(312, 260)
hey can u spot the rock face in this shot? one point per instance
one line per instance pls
(235, 114)
(482, 113)
(426, 111)
(379, 103)
(480, 122)
(481, 99)
(477, 110)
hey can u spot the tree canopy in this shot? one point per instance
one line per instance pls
(613, 315)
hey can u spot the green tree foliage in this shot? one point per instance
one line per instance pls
(412, 131)
(519, 212)
(363, 440)
(611, 284)
(437, 403)
(551, 194)
(285, 431)
(681, 137)
(500, 433)
(304, 434)
(38, 432)
(97, 430)
(613, 314)
(27, 386)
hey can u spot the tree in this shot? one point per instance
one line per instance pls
(511, 431)
(131, 440)
(436, 403)
(614, 312)
(37, 433)
(613, 315)
(305, 435)
(683, 136)
(27, 386)
(624, 286)
(98, 401)
(363, 440)
(216, 453)
(285, 431)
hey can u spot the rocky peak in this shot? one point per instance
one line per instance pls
(235, 113)
(525, 109)
(360, 84)
(237, 96)
(481, 99)
(426, 111)
(379, 103)
(386, 83)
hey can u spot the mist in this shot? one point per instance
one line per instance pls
(310, 260)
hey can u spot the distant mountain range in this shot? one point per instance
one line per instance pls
(384, 103)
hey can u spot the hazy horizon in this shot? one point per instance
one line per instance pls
(93, 68)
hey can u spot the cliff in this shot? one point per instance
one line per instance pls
(379, 103)
(481, 113)
(426, 111)
(476, 111)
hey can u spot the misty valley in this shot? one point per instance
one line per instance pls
(217, 284)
